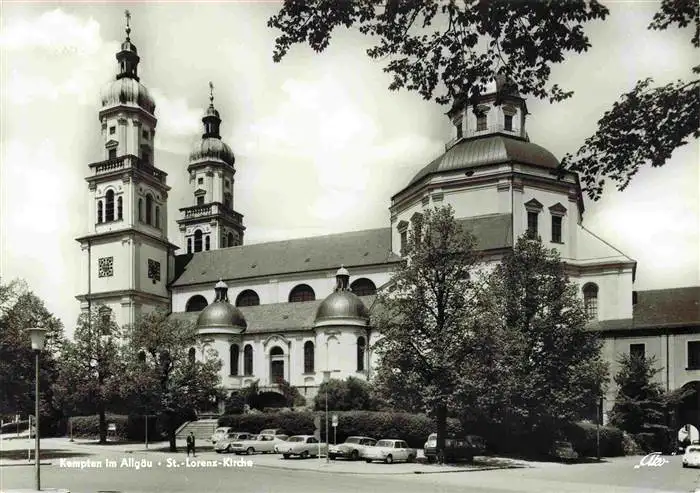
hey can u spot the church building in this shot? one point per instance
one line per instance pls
(299, 309)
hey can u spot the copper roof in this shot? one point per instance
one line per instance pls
(277, 317)
(494, 149)
(318, 253)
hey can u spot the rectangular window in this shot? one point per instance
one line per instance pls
(480, 122)
(404, 241)
(200, 181)
(556, 229)
(200, 200)
(693, 355)
(532, 223)
(112, 154)
(227, 184)
(112, 130)
(637, 351)
(145, 134)
(457, 122)
(508, 121)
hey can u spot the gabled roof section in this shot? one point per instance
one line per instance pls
(277, 317)
(353, 249)
(596, 248)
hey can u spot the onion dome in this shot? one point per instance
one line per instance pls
(492, 149)
(342, 307)
(221, 316)
(211, 147)
(126, 89)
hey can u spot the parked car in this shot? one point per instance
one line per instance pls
(351, 449)
(563, 451)
(219, 433)
(302, 445)
(462, 448)
(389, 451)
(273, 432)
(259, 443)
(224, 444)
(691, 457)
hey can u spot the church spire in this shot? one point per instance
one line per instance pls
(211, 119)
(128, 56)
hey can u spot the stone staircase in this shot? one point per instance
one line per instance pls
(202, 430)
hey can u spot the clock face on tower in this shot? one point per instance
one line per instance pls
(153, 270)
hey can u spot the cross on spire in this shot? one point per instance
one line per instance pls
(127, 14)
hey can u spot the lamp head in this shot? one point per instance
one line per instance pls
(38, 336)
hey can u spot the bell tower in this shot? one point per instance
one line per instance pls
(126, 253)
(211, 222)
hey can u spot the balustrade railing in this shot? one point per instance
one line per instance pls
(128, 161)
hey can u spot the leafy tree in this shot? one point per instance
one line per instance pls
(427, 320)
(235, 404)
(546, 368)
(450, 50)
(641, 405)
(91, 368)
(163, 378)
(351, 394)
(291, 394)
(19, 310)
(648, 123)
(251, 395)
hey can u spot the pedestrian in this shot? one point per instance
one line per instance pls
(190, 445)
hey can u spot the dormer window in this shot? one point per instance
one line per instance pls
(508, 123)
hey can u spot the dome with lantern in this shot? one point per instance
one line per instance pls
(221, 316)
(211, 147)
(342, 307)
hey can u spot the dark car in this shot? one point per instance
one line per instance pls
(456, 449)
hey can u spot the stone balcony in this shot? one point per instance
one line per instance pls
(128, 162)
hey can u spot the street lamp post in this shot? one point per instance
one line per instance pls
(38, 336)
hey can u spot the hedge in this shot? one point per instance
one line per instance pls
(413, 428)
(582, 436)
(128, 427)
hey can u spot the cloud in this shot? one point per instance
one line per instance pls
(178, 123)
(54, 31)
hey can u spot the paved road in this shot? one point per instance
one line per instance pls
(615, 476)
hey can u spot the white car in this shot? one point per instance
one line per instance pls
(259, 443)
(224, 444)
(691, 457)
(219, 433)
(302, 445)
(389, 451)
(351, 449)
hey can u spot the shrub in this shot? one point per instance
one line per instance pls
(128, 427)
(235, 403)
(414, 428)
(582, 436)
(344, 395)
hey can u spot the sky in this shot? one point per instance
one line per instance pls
(321, 144)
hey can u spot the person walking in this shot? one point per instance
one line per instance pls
(190, 445)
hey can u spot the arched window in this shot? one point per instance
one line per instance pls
(233, 358)
(230, 240)
(99, 211)
(590, 300)
(276, 365)
(361, 349)
(189, 245)
(196, 304)
(363, 287)
(198, 240)
(141, 210)
(149, 209)
(302, 292)
(308, 357)
(191, 354)
(119, 208)
(109, 206)
(207, 244)
(157, 217)
(248, 360)
(248, 298)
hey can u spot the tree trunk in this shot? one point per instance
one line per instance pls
(441, 418)
(170, 426)
(103, 423)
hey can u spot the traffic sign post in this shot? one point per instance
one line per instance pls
(335, 427)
